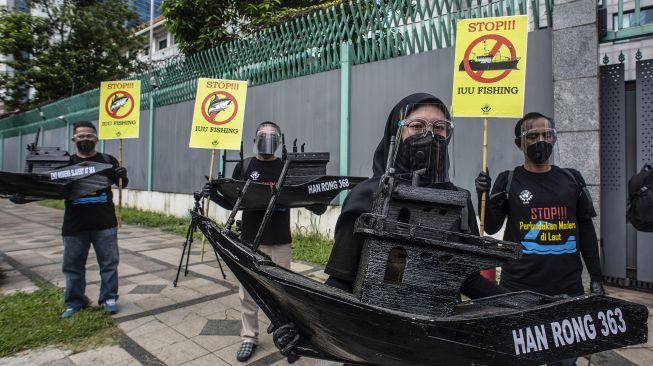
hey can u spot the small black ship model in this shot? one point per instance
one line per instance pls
(48, 176)
(405, 309)
(489, 61)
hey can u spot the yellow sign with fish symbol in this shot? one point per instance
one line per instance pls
(490, 67)
(218, 115)
(120, 106)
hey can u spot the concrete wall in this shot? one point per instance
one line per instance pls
(308, 108)
(576, 89)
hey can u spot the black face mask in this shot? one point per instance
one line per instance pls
(539, 152)
(424, 152)
(85, 146)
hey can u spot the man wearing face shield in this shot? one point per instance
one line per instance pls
(421, 159)
(91, 220)
(276, 240)
(549, 211)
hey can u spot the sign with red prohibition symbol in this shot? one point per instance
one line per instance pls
(490, 67)
(218, 114)
(120, 106)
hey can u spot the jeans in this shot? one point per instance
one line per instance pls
(75, 253)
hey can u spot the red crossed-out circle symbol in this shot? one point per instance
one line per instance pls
(119, 95)
(215, 117)
(500, 41)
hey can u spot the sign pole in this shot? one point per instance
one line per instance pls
(208, 201)
(120, 185)
(490, 274)
(484, 195)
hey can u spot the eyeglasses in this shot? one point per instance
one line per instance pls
(546, 134)
(418, 126)
(85, 136)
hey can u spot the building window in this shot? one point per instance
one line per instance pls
(645, 17)
(162, 44)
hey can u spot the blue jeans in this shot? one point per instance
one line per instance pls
(75, 253)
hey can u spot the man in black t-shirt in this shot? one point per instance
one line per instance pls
(549, 211)
(276, 240)
(91, 220)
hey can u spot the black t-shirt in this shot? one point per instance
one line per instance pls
(94, 211)
(543, 213)
(277, 230)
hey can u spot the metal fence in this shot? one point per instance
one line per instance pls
(376, 30)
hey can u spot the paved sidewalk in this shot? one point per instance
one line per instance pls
(196, 323)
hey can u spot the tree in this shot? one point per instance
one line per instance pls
(72, 47)
(202, 24)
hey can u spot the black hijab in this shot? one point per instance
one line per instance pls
(404, 106)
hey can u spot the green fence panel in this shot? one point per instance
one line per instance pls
(376, 29)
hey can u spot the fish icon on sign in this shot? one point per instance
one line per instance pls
(218, 105)
(117, 103)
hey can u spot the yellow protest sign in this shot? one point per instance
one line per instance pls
(219, 113)
(490, 67)
(120, 106)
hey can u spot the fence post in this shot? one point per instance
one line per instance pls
(2, 151)
(67, 136)
(150, 143)
(20, 151)
(346, 59)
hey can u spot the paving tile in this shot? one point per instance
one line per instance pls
(101, 356)
(639, 356)
(61, 362)
(213, 343)
(192, 325)
(147, 289)
(299, 267)
(34, 357)
(180, 353)
(158, 339)
(223, 327)
(140, 327)
(207, 360)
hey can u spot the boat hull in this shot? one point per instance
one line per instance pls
(335, 325)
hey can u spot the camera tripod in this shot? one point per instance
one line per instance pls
(195, 213)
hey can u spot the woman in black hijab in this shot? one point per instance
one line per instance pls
(418, 151)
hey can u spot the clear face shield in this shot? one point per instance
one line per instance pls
(537, 140)
(423, 138)
(267, 141)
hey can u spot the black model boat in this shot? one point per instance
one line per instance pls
(395, 317)
(48, 176)
(306, 184)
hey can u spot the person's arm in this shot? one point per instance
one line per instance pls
(587, 240)
(589, 249)
(342, 266)
(237, 173)
(118, 172)
(496, 205)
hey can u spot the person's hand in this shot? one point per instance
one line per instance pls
(596, 287)
(286, 338)
(210, 189)
(121, 172)
(18, 198)
(483, 182)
